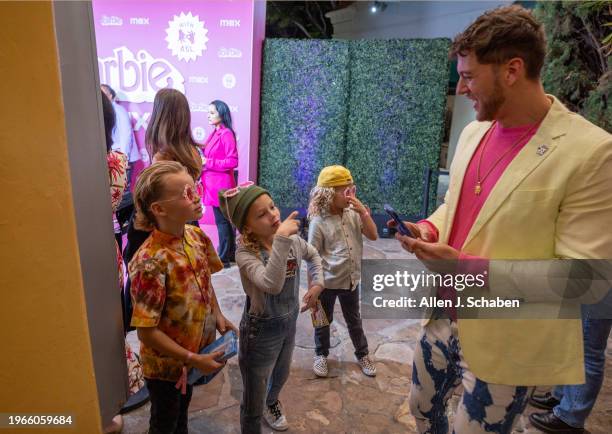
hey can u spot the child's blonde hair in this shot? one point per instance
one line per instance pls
(320, 201)
(250, 242)
(149, 188)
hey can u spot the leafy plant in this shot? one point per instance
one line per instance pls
(396, 119)
(303, 114)
(300, 19)
(376, 107)
(578, 68)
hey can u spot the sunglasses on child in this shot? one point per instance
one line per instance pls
(234, 191)
(189, 192)
(350, 191)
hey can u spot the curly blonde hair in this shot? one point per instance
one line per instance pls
(250, 242)
(320, 201)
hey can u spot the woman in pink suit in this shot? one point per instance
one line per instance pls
(220, 160)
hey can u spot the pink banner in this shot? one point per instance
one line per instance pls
(206, 49)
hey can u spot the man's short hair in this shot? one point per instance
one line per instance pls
(501, 34)
(110, 90)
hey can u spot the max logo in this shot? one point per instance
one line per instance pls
(137, 78)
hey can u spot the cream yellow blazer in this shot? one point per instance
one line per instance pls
(555, 203)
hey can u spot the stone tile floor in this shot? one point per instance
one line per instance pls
(348, 401)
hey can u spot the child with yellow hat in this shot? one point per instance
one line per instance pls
(338, 221)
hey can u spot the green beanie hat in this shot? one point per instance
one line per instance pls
(235, 208)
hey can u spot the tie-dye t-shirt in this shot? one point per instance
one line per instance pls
(171, 290)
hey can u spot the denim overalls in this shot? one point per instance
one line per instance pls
(266, 347)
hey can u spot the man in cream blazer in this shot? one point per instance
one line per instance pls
(552, 201)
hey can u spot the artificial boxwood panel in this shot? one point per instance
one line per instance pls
(396, 119)
(304, 104)
(375, 106)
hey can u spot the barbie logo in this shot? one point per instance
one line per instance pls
(138, 77)
(111, 21)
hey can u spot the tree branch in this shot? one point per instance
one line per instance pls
(595, 44)
(302, 28)
(322, 15)
(312, 19)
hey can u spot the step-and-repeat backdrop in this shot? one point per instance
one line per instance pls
(204, 49)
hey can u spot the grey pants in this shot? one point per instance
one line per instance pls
(266, 347)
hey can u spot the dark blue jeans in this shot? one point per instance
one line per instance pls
(227, 237)
(266, 347)
(577, 401)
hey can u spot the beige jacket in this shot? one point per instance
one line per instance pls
(553, 201)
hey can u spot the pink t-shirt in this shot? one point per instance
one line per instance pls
(498, 140)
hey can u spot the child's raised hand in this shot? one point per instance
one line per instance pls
(311, 297)
(207, 363)
(289, 226)
(357, 205)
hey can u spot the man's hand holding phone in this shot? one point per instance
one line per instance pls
(419, 230)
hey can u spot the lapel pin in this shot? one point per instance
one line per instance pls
(542, 150)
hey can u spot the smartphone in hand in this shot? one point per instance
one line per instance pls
(401, 227)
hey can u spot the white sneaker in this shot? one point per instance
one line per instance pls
(367, 367)
(320, 366)
(273, 414)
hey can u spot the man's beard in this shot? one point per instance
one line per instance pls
(489, 107)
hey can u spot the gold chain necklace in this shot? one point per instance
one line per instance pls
(479, 181)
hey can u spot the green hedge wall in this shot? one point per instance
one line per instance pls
(303, 115)
(396, 119)
(375, 106)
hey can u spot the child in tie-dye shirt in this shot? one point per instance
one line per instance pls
(172, 294)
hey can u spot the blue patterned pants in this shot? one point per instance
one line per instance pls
(438, 369)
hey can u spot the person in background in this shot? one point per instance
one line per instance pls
(168, 136)
(220, 160)
(568, 407)
(124, 142)
(117, 173)
(123, 133)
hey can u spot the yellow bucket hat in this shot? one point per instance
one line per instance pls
(334, 176)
